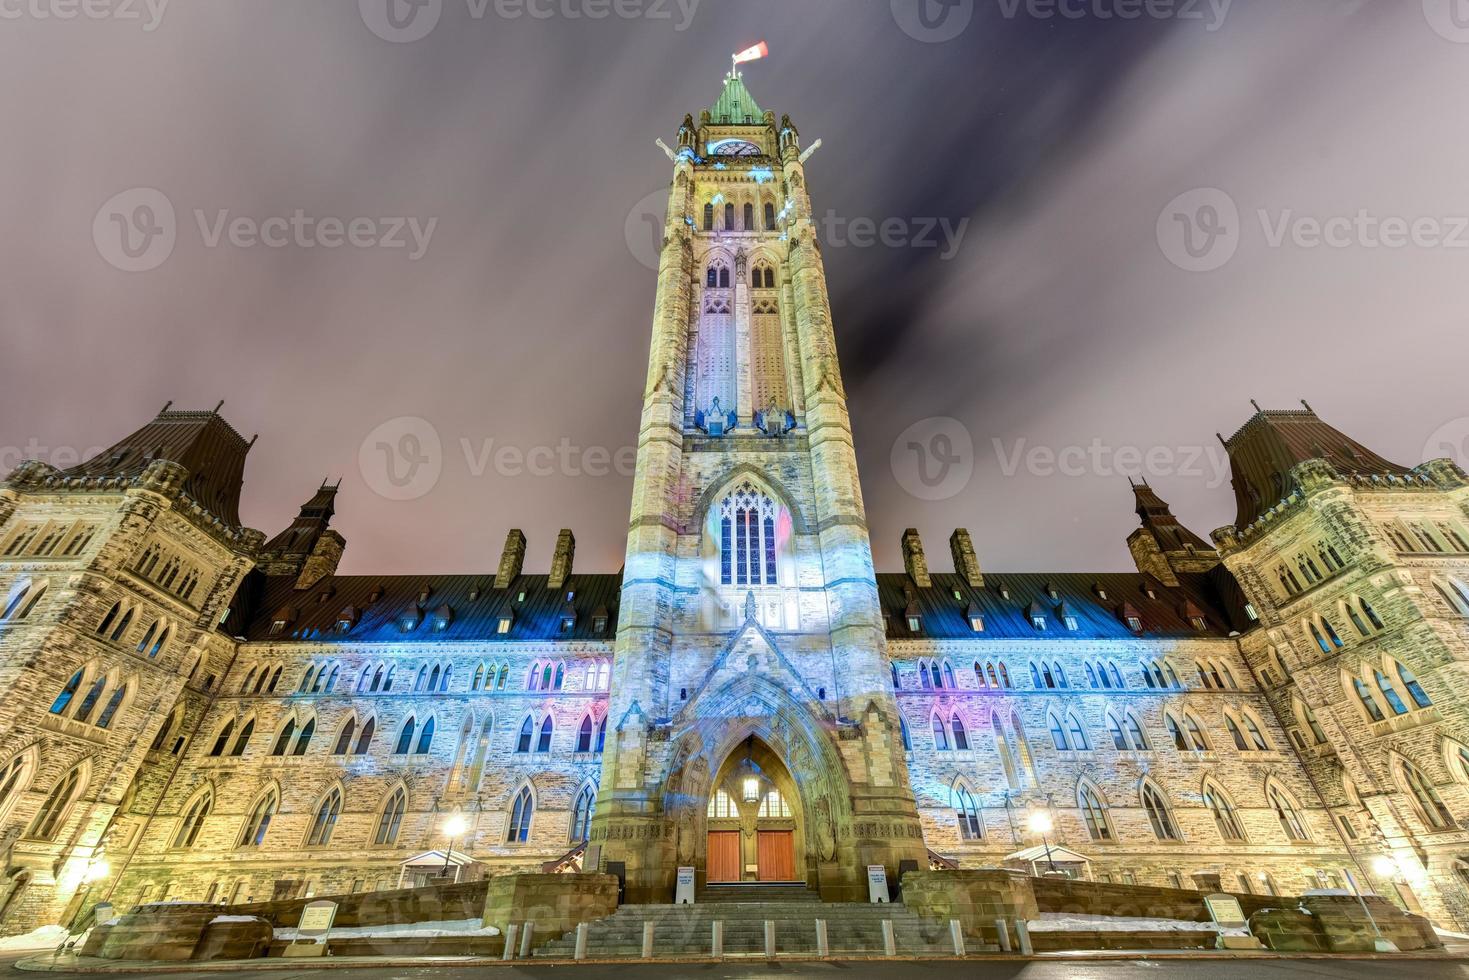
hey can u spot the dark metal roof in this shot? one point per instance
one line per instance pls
(946, 606)
(381, 603)
(1264, 450)
(1158, 518)
(315, 517)
(201, 442)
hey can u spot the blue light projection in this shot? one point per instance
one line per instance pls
(762, 175)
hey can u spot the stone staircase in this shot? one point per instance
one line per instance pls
(686, 930)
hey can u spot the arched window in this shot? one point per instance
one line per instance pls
(391, 819)
(425, 738)
(1094, 813)
(344, 740)
(405, 736)
(521, 815)
(1119, 739)
(749, 224)
(1135, 733)
(258, 823)
(903, 731)
(114, 703)
(1077, 734)
(193, 821)
(709, 220)
(244, 739)
(67, 693)
(1429, 804)
(748, 545)
(364, 741)
(53, 811)
(1236, 734)
(1365, 698)
(940, 735)
(303, 737)
(1455, 595)
(325, 820)
(1159, 815)
(584, 735)
(1389, 693)
(961, 736)
(581, 815)
(970, 827)
(527, 734)
(1058, 734)
(543, 743)
(1287, 814)
(769, 217)
(1007, 756)
(1411, 685)
(1226, 817)
(729, 217)
(1180, 741)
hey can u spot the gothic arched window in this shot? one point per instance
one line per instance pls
(749, 224)
(970, 827)
(1094, 812)
(709, 218)
(581, 815)
(729, 217)
(1159, 815)
(747, 545)
(391, 819)
(770, 217)
(520, 817)
(193, 822)
(58, 802)
(325, 820)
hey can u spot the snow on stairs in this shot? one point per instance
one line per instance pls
(686, 930)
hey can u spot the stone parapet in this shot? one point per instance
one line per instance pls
(552, 905)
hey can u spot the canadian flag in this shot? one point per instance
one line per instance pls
(759, 51)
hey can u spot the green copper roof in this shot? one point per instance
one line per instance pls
(735, 102)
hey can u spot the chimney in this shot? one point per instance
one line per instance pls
(561, 561)
(323, 560)
(913, 561)
(512, 560)
(966, 562)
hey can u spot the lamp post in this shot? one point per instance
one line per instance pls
(1384, 867)
(1040, 823)
(455, 827)
(96, 870)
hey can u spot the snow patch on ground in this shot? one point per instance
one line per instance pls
(1064, 922)
(46, 937)
(462, 928)
(235, 918)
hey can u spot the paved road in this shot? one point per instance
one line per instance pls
(972, 970)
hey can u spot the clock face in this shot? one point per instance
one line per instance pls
(734, 148)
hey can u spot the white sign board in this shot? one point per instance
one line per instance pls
(685, 894)
(877, 884)
(1226, 910)
(317, 918)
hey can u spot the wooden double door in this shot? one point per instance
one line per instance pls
(775, 856)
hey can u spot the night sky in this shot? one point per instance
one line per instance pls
(1060, 317)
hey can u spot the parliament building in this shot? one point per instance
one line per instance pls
(193, 710)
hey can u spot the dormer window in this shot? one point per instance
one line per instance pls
(474, 594)
(507, 619)
(915, 624)
(520, 597)
(570, 595)
(958, 596)
(1101, 592)
(443, 616)
(1252, 612)
(409, 621)
(423, 594)
(1039, 622)
(1072, 624)
(599, 620)
(976, 619)
(1135, 624)
(1004, 592)
(1199, 623)
(568, 618)
(346, 619)
(277, 627)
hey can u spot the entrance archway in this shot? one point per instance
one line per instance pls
(754, 820)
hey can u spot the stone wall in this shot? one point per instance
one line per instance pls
(552, 905)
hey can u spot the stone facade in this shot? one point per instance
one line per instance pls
(193, 712)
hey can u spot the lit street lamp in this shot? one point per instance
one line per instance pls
(1041, 823)
(456, 827)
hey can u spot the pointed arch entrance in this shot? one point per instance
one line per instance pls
(754, 818)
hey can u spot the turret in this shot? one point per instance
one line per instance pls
(1163, 547)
